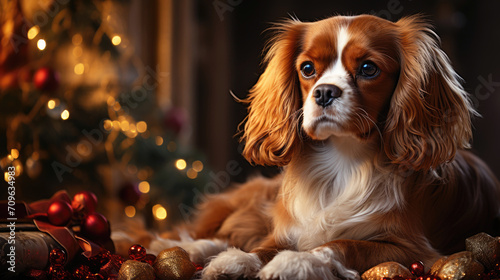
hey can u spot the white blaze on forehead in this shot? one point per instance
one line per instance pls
(342, 40)
(340, 110)
(336, 73)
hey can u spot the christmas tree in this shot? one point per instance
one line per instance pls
(77, 112)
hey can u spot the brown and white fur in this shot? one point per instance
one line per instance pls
(374, 166)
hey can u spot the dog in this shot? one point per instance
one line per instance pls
(369, 121)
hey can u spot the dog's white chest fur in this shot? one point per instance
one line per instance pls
(333, 191)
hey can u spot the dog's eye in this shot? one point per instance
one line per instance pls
(307, 69)
(368, 69)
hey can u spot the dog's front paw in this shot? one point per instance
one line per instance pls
(232, 264)
(315, 265)
(328, 256)
(200, 250)
(296, 265)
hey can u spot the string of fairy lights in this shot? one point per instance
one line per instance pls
(119, 122)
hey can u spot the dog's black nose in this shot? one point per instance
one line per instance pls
(325, 94)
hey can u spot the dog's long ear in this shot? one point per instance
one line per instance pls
(430, 113)
(272, 127)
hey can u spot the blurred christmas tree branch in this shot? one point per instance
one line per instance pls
(78, 111)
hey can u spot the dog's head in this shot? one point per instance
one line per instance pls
(361, 77)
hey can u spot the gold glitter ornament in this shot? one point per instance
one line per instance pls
(135, 270)
(484, 248)
(174, 264)
(459, 266)
(387, 269)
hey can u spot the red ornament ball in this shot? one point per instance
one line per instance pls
(84, 201)
(57, 257)
(46, 79)
(59, 213)
(150, 258)
(96, 227)
(417, 268)
(137, 252)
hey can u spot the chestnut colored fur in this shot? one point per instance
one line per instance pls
(390, 181)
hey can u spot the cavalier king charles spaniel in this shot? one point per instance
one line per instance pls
(369, 121)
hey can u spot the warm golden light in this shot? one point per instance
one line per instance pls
(192, 174)
(65, 115)
(6, 176)
(159, 212)
(51, 104)
(142, 127)
(33, 31)
(131, 134)
(144, 187)
(143, 175)
(130, 211)
(79, 69)
(124, 125)
(83, 148)
(198, 166)
(180, 164)
(41, 44)
(110, 101)
(116, 40)
(77, 39)
(108, 125)
(159, 140)
(18, 166)
(116, 125)
(77, 51)
(14, 153)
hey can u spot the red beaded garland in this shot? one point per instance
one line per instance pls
(57, 257)
(137, 252)
(111, 268)
(118, 259)
(35, 274)
(94, 276)
(58, 273)
(100, 259)
(59, 213)
(417, 268)
(81, 272)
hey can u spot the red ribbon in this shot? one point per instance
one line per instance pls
(37, 213)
